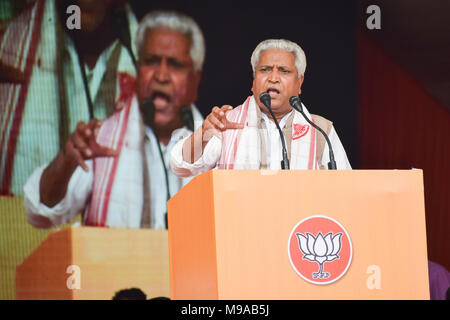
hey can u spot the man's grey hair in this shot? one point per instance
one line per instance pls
(177, 22)
(281, 44)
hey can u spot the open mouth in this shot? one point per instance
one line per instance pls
(160, 99)
(273, 92)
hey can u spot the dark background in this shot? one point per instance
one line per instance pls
(326, 31)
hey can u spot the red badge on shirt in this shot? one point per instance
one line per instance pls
(299, 131)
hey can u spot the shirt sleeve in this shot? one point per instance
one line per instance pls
(207, 160)
(73, 203)
(340, 156)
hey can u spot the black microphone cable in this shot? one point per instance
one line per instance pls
(297, 105)
(123, 31)
(148, 112)
(86, 86)
(148, 108)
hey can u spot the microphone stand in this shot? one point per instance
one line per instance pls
(148, 110)
(297, 105)
(265, 99)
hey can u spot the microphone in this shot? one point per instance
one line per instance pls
(148, 112)
(297, 105)
(147, 109)
(123, 31)
(186, 117)
(265, 99)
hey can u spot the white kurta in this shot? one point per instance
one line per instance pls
(212, 152)
(39, 137)
(81, 183)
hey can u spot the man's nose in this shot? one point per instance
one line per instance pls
(162, 72)
(274, 76)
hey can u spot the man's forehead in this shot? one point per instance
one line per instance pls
(167, 42)
(276, 57)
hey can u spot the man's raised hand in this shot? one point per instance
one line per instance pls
(216, 122)
(82, 144)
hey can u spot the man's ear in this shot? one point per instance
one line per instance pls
(198, 76)
(301, 82)
(196, 83)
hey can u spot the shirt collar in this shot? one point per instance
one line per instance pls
(69, 47)
(282, 123)
(177, 134)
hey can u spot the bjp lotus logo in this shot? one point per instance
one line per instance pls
(317, 258)
(320, 249)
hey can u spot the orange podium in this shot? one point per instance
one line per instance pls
(356, 234)
(95, 263)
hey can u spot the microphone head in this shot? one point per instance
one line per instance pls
(293, 100)
(265, 99)
(148, 111)
(295, 103)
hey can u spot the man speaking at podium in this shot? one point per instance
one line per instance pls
(247, 137)
(116, 172)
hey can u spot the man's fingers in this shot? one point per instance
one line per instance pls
(215, 122)
(217, 113)
(223, 110)
(84, 130)
(90, 129)
(218, 116)
(234, 125)
(81, 145)
(78, 150)
(81, 125)
(216, 109)
(226, 108)
(95, 126)
(102, 151)
(79, 159)
(82, 164)
(84, 141)
(229, 124)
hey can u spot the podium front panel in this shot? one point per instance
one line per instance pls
(96, 263)
(254, 216)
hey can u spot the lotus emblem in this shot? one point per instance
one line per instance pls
(320, 249)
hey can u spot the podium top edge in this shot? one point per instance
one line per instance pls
(265, 171)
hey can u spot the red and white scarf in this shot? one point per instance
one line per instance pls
(34, 45)
(112, 204)
(18, 47)
(241, 148)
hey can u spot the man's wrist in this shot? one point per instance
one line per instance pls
(67, 162)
